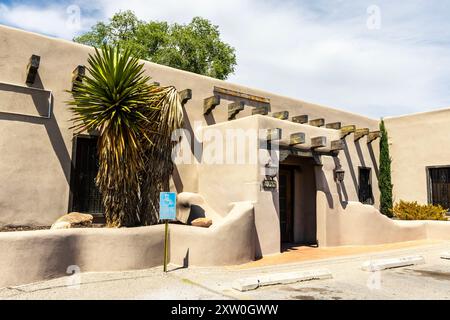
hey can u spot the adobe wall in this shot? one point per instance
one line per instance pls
(35, 152)
(416, 142)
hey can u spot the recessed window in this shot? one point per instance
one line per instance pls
(365, 186)
(439, 186)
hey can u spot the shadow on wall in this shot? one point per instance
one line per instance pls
(342, 190)
(350, 164)
(374, 160)
(51, 125)
(322, 185)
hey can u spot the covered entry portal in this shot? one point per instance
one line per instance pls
(297, 201)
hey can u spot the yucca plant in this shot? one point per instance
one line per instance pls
(117, 99)
(158, 165)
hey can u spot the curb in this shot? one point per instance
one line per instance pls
(247, 284)
(383, 264)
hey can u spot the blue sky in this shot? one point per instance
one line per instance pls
(377, 58)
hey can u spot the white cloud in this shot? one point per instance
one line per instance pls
(319, 51)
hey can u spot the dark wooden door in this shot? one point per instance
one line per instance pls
(286, 188)
(86, 197)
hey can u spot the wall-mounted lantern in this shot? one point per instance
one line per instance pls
(339, 175)
(271, 172)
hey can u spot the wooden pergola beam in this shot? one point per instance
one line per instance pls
(345, 131)
(297, 138)
(274, 134)
(234, 109)
(318, 142)
(360, 133)
(334, 125)
(210, 104)
(337, 145)
(301, 119)
(264, 111)
(32, 68)
(317, 122)
(185, 95)
(283, 115)
(373, 136)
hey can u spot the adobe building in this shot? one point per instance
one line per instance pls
(324, 191)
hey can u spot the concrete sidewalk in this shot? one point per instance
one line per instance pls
(428, 281)
(301, 253)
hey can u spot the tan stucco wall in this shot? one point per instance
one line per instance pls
(417, 142)
(35, 152)
(27, 257)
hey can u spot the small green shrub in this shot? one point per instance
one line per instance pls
(413, 211)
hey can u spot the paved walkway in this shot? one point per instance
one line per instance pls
(427, 281)
(299, 254)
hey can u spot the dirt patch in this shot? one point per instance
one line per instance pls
(23, 228)
(28, 228)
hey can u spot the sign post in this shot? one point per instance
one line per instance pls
(167, 211)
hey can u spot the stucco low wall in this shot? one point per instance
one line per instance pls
(231, 241)
(27, 257)
(359, 224)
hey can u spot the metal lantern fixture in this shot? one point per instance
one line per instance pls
(339, 175)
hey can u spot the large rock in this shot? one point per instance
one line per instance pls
(202, 222)
(73, 220)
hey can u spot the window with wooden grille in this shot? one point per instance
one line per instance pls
(439, 186)
(85, 197)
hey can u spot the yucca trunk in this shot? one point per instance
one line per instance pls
(118, 180)
(158, 165)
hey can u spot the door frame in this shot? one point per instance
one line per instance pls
(290, 170)
(73, 166)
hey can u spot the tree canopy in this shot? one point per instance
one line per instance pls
(194, 47)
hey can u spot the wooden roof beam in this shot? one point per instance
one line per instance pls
(373, 136)
(318, 142)
(317, 122)
(234, 109)
(185, 95)
(334, 125)
(300, 119)
(264, 111)
(297, 139)
(360, 133)
(210, 104)
(337, 145)
(283, 115)
(347, 130)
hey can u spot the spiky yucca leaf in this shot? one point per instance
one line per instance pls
(116, 99)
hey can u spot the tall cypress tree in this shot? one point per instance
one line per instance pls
(384, 180)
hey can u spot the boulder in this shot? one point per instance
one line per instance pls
(73, 220)
(202, 222)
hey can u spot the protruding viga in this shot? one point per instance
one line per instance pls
(210, 104)
(318, 142)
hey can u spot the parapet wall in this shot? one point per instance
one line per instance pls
(360, 224)
(27, 257)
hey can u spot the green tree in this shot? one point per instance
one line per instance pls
(194, 47)
(385, 180)
(135, 121)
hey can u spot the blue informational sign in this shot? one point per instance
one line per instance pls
(167, 206)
